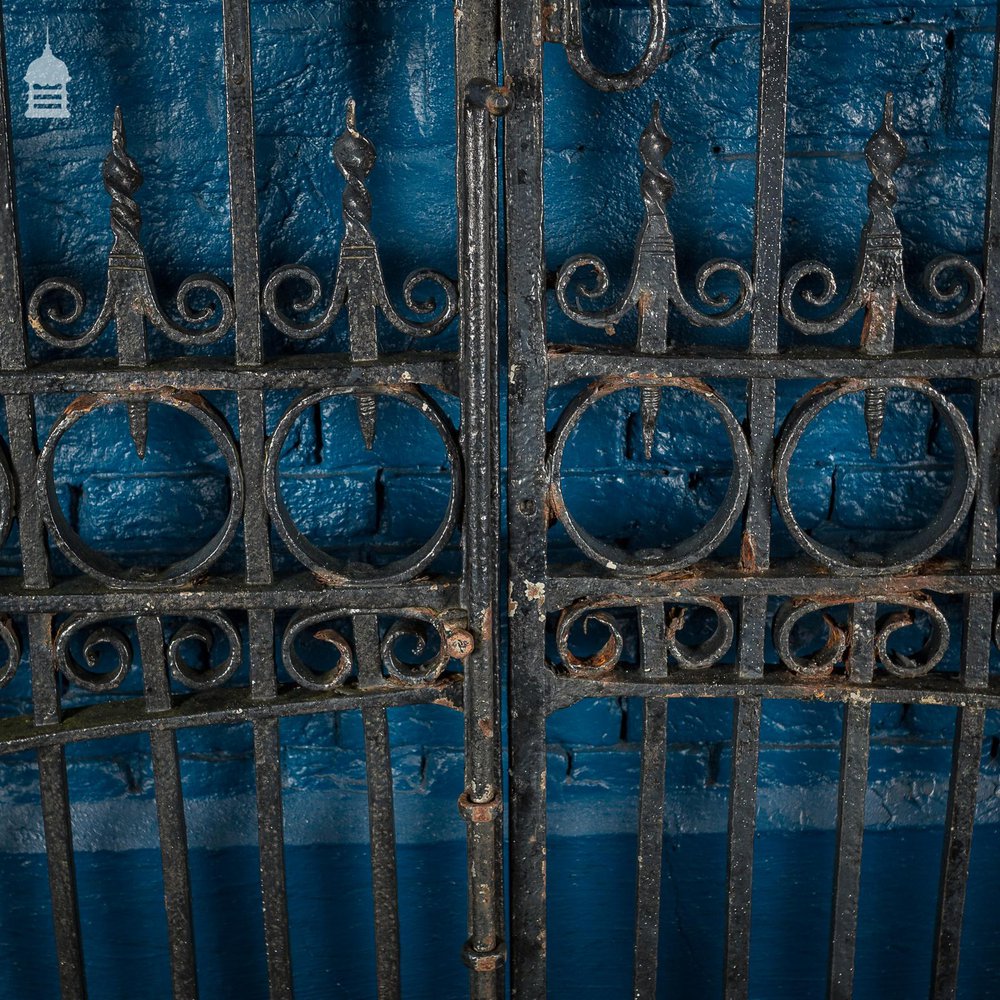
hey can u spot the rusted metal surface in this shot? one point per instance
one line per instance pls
(574, 621)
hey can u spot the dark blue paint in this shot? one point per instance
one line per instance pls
(162, 62)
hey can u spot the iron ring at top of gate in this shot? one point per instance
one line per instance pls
(925, 542)
(130, 298)
(696, 546)
(653, 283)
(563, 25)
(96, 563)
(328, 568)
(358, 280)
(879, 285)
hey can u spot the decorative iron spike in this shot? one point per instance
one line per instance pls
(657, 188)
(885, 152)
(355, 157)
(122, 179)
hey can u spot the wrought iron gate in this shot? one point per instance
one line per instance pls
(649, 592)
(161, 608)
(109, 604)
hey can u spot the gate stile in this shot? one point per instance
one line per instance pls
(858, 666)
(386, 605)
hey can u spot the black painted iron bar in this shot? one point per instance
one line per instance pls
(382, 845)
(62, 871)
(756, 548)
(481, 801)
(961, 817)
(271, 844)
(221, 707)
(381, 812)
(850, 834)
(169, 810)
(652, 782)
(567, 365)
(526, 492)
(854, 751)
(979, 617)
(174, 856)
(742, 829)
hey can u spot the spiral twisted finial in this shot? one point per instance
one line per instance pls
(884, 152)
(656, 184)
(122, 178)
(355, 157)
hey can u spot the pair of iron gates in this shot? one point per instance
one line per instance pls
(858, 665)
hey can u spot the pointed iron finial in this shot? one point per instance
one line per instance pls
(122, 178)
(355, 157)
(657, 185)
(657, 188)
(884, 153)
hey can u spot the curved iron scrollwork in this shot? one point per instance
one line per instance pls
(408, 653)
(838, 641)
(605, 659)
(695, 546)
(101, 566)
(563, 25)
(12, 644)
(325, 566)
(130, 298)
(926, 542)
(653, 284)
(100, 631)
(879, 284)
(333, 676)
(7, 497)
(202, 632)
(359, 281)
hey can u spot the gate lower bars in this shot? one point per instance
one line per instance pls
(858, 665)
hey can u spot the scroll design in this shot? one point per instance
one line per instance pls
(359, 281)
(101, 631)
(879, 285)
(653, 284)
(836, 647)
(414, 629)
(599, 614)
(342, 664)
(11, 640)
(563, 25)
(130, 299)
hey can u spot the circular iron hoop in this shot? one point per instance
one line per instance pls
(692, 548)
(926, 542)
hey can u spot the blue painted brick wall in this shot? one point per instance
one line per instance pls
(161, 60)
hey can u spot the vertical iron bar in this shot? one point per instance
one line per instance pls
(381, 812)
(169, 811)
(271, 840)
(521, 32)
(53, 784)
(481, 802)
(854, 748)
(257, 543)
(480, 102)
(970, 723)
(756, 553)
(62, 870)
(652, 782)
(174, 858)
